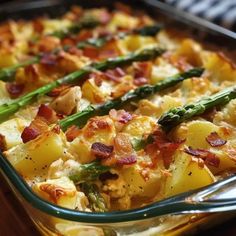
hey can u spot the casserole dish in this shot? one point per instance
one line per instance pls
(52, 219)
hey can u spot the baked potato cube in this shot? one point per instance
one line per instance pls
(135, 42)
(94, 93)
(4, 95)
(196, 132)
(36, 155)
(11, 130)
(7, 59)
(139, 126)
(61, 191)
(140, 182)
(186, 174)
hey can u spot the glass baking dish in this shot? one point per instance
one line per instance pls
(168, 217)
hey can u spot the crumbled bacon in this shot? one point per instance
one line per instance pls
(115, 75)
(214, 140)
(142, 72)
(58, 90)
(91, 52)
(48, 43)
(15, 89)
(75, 51)
(104, 17)
(208, 157)
(128, 160)
(38, 25)
(29, 133)
(162, 147)
(47, 113)
(101, 150)
(72, 133)
(48, 59)
(84, 35)
(3, 145)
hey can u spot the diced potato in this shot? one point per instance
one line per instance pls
(4, 95)
(66, 196)
(12, 130)
(186, 175)
(219, 68)
(196, 132)
(122, 20)
(7, 59)
(135, 42)
(53, 25)
(36, 155)
(139, 126)
(94, 93)
(191, 50)
(162, 71)
(143, 185)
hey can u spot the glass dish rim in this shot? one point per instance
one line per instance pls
(171, 205)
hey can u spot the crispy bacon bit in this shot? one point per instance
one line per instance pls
(48, 59)
(128, 160)
(84, 35)
(91, 52)
(47, 113)
(142, 72)
(38, 25)
(15, 89)
(104, 16)
(29, 133)
(3, 145)
(115, 75)
(208, 157)
(121, 116)
(214, 140)
(101, 150)
(209, 114)
(55, 192)
(72, 133)
(58, 90)
(162, 147)
(48, 43)
(75, 51)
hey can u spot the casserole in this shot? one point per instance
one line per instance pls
(46, 222)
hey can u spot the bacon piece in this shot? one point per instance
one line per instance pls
(142, 72)
(15, 89)
(162, 147)
(29, 133)
(58, 90)
(128, 160)
(48, 59)
(38, 25)
(48, 43)
(101, 150)
(115, 75)
(214, 140)
(47, 113)
(3, 145)
(72, 133)
(91, 52)
(75, 51)
(84, 35)
(208, 157)
(104, 17)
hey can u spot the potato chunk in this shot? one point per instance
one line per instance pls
(38, 154)
(186, 175)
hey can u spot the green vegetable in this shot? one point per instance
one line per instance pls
(96, 201)
(10, 108)
(81, 118)
(175, 116)
(88, 172)
(8, 73)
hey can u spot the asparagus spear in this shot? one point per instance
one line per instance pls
(7, 74)
(13, 106)
(96, 201)
(177, 115)
(81, 118)
(88, 172)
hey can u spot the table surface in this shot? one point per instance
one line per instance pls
(15, 222)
